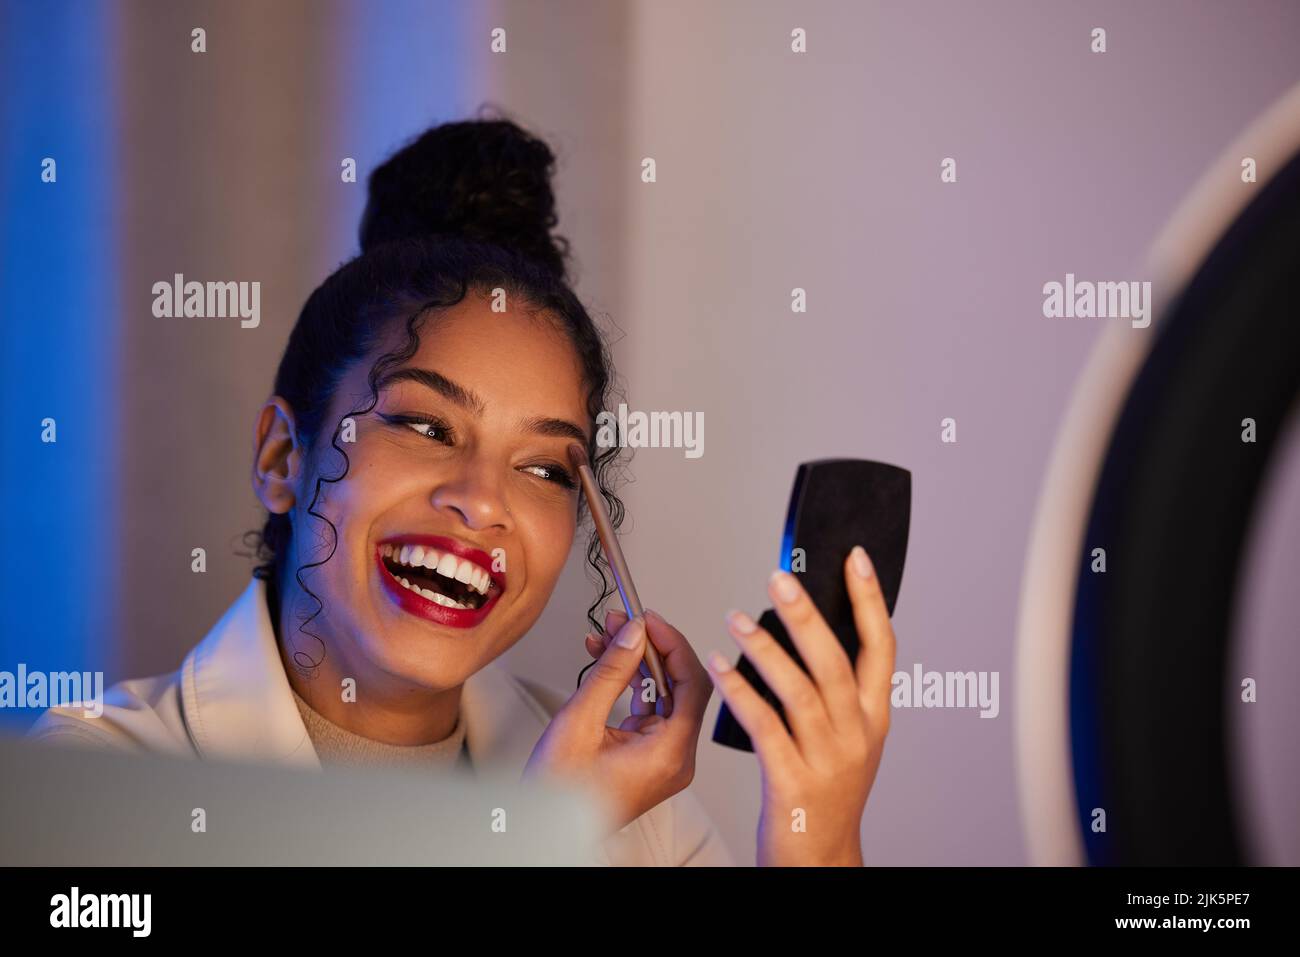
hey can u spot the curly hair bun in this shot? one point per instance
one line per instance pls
(487, 180)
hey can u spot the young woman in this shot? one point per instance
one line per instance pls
(420, 510)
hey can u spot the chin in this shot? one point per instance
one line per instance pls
(426, 658)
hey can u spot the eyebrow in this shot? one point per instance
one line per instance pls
(449, 390)
(466, 399)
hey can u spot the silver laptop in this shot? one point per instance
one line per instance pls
(63, 805)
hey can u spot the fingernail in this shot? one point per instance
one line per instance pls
(861, 563)
(785, 586)
(741, 622)
(632, 633)
(718, 664)
(651, 611)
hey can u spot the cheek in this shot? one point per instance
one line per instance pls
(373, 485)
(547, 538)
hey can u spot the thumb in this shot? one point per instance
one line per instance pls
(611, 674)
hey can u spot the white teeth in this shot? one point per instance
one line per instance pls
(433, 596)
(445, 564)
(480, 580)
(464, 572)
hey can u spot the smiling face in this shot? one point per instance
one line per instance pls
(458, 484)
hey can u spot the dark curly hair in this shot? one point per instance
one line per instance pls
(467, 206)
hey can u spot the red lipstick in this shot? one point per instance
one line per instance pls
(416, 604)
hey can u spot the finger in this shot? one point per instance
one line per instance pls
(664, 642)
(772, 742)
(641, 723)
(610, 675)
(804, 710)
(596, 646)
(820, 649)
(690, 685)
(614, 620)
(875, 664)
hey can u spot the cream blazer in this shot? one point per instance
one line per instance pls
(231, 700)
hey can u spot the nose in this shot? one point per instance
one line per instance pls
(477, 496)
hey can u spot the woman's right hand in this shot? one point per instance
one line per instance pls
(650, 756)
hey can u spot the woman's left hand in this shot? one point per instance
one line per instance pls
(817, 775)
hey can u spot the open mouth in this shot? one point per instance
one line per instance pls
(440, 576)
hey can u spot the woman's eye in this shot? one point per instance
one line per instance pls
(433, 430)
(552, 473)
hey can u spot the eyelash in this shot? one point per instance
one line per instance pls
(559, 475)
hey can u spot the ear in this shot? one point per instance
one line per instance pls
(278, 456)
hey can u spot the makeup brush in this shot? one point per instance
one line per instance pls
(622, 577)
